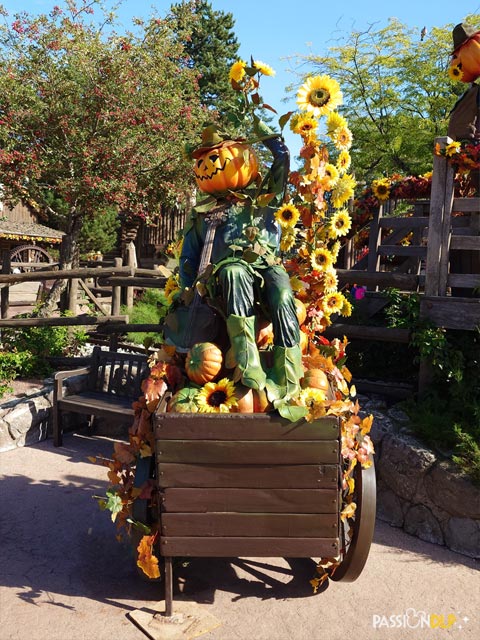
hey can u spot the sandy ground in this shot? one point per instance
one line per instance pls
(63, 575)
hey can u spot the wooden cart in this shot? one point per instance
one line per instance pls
(256, 485)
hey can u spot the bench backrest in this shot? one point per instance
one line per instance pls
(117, 373)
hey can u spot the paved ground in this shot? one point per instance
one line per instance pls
(64, 576)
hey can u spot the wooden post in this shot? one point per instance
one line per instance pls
(72, 296)
(168, 586)
(116, 292)
(6, 265)
(441, 200)
(132, 262)
(374, 242)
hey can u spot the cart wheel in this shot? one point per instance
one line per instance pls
(357, 532)
(143, 511)
(29, 253)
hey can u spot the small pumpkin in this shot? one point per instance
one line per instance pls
(315, 378)
(203, 362)
(303, 341)
(467, 57)
(183, 401)
(261, 403)
(264, 335)
(244, 397)
(227, 166)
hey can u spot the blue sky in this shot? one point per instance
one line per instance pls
(274, 31)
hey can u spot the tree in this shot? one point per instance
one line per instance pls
(212, 47)
(397, 94)
(97, 119)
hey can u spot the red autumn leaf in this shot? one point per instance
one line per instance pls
(153, 389)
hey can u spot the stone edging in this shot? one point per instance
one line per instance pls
(418, 491)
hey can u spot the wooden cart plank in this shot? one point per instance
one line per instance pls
(245, 452)
(276, 476)
(284, 525)
(182, 500)
(235, 426)
(249, 547)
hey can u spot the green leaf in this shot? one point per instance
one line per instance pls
(282, 121)
(250, 256)
(292, 412)
(206, 205)
(264, 199)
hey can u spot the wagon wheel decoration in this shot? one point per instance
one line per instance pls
(29, 254)
(356, 533)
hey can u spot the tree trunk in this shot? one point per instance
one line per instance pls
(69, 258)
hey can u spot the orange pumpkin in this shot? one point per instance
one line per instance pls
(229, 165)
(303, 341)
(203, 362)
(315, 378)
(467, 57)
(244, 397)
(261, 404)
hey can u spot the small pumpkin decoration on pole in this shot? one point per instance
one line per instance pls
(465, 62)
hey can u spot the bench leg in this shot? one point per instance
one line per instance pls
(57, 429)
(168, 587)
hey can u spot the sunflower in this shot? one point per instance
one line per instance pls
(346, 310)
(288, 238)
(331, 175)
(216, 397)
(335, 250)
(452, 148)
(343, 190)
(287, 215)
(381, 189)
(319, 95)
(264, 69)
(342, 138)
(171, 288)
(330, 280)
(339, 224)
(343, 161)
(313, 400)
(455, 72)
(335, 121)
(237, 71)
(305, 124)
(321, 259)
(333, 302)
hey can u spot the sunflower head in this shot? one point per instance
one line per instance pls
(319, 95)
(321, 259)
(287, 215)
(237, 71)
(339, 224)
(305, 124)
(264, 69)
(381, 189)
(343, 162)
(455, 73)
(335, 121)
(342, 138)
(333, 302)
(217, 397)
(343, 190)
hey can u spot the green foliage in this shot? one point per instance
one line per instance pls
(99, 232)
(94, 117)
(11, 365)
(210, 42)
(33, 345)
(150, 308)
(397, 94)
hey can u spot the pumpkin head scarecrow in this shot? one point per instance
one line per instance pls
(464, 123)
(245, 271)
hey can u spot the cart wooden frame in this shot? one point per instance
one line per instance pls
(255, 485)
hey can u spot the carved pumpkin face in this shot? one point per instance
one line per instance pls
(227, 166)
(467, 57)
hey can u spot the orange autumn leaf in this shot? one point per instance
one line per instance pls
(123, 453)
(146, 561)
(153, 389)
(348, 511)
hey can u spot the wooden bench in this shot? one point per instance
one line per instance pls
(111, 382)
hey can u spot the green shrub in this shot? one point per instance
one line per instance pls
(149, 308)
(11, 364)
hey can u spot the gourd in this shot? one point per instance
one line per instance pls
(227, 166)
(203, 362)
(183, 401)
(301, 311)
(315, 378)
(467, 57)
